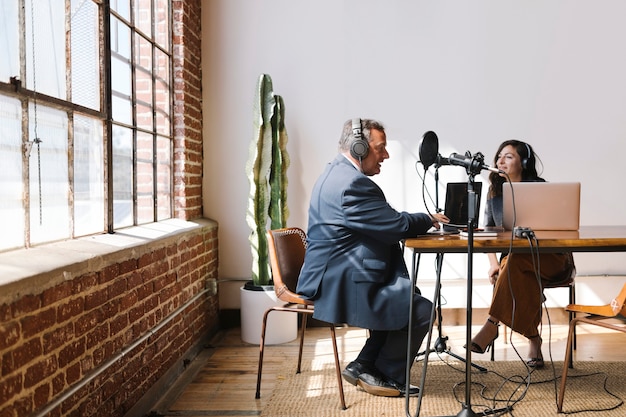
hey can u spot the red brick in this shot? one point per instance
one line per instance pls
(109, 273)
(40, 371)
(128, 300)
(70, 309)
(9, 334)
(9, 387)
(26, 304)
(118, 324)
(42, 396)
(5, 312)
(72, 373)
(96, 299)
(57, 337)
(58, 384)
(84, 283)
(116, 288)
(71, 352)
(127, 266)
(59, 292)
(96, 336)
(38, 322)
(22, 355)
(87, 322)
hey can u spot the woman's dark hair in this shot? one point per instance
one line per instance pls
(529, 168)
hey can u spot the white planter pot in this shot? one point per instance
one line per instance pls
(281, 327)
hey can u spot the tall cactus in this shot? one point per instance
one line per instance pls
(267, 173)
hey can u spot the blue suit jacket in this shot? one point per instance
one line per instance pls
(354, 269)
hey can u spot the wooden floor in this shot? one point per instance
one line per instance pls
(221, 382)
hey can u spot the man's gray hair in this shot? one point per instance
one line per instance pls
(347, 136)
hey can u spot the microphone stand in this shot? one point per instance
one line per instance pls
(440, 344)
(466, 411)
(471, 209)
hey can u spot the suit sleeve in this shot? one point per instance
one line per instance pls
(366, 210)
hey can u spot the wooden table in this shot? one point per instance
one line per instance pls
(586, 239)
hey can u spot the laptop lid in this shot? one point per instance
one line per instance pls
(541, 205)
(456, 206)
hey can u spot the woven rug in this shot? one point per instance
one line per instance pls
(593, 389)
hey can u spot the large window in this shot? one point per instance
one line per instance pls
(85, 117)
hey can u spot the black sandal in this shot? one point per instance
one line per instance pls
(476, 346)
(536, 362)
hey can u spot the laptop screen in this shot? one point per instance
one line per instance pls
(456, 208)
(541, 205)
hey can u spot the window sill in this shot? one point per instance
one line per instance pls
(24, 271)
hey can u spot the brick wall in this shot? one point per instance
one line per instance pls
(92, 337)
(187, 109)
(107, 333)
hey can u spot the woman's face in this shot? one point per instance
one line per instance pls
(510, 162)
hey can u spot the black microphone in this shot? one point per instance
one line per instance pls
(429, 149)
(473, 164)
(441, 161)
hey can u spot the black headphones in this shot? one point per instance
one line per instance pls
(359, 147)
(526, 161)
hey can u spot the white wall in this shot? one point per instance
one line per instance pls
(477, 73)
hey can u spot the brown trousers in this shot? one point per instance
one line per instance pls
(518, 296)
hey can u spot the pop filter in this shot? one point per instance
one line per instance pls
(429, 149)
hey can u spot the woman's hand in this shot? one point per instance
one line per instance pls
(494, 271)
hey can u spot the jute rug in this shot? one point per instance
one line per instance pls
(593, 389)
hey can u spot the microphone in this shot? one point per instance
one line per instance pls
(473, 164)
(429, 149)
(441, 161)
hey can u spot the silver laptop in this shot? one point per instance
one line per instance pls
(541, 205)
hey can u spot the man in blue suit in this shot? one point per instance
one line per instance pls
(354, 268)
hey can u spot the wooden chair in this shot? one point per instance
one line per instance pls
(286, 250)
(595, 315)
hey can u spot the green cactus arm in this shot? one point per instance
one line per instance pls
(278, 177)
(258, 168)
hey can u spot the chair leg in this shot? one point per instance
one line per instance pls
(572, 300)
(567, 363)
(338, 367)
(261, 348)
(302, 330)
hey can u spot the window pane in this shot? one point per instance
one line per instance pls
(88, 176)
(143, 16)
(164, 178)
(122, 177)
(122, 109)
(11, 187)
(143, 83)
(49, 60)
(162, 23)
(120, 39)
(121, 72)
(85, 54)
(162, 92)
(122, 7)
(145, 178)
(48, 169)
(9, 41)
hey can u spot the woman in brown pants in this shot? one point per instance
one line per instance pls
(517, 295)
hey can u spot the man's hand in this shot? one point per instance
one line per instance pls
(439, 218)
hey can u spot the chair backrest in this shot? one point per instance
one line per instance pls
(286, 250)
(617, 306)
